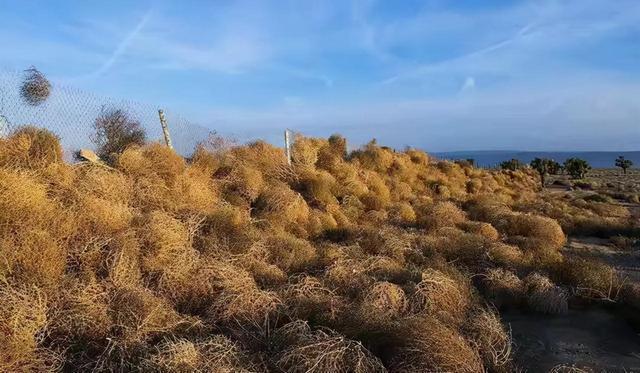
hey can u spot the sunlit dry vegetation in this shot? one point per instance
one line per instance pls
(235, 261)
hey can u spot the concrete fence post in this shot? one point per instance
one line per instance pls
(287, 146)
(4, 126)
(165, 129)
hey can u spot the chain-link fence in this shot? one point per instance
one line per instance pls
(70, 113)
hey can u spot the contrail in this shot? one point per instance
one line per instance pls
(123, 45)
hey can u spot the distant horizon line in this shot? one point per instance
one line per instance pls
(534, 151)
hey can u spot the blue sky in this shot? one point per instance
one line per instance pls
(441, 75)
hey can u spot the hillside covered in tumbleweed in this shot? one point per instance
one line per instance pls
(235, 261)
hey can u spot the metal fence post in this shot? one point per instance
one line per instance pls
(287, 146)
(165, 128)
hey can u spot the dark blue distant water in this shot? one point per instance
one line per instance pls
(491, 158)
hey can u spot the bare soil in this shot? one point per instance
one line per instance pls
(594, 339)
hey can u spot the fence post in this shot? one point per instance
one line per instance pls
(287, 146)
(4, 126)
(165, 129)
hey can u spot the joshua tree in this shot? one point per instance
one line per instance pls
(35, 87)
(555, 168)
(115, 131)
(576, 167)
(512, 164)
(544, 166)
(623, 163)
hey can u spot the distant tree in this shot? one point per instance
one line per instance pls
(623, 163)
(115, 131)
(465, 162)
(576, 167)
(555, 168)
(512, 164)
(544, 167)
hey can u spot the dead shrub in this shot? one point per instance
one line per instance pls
(453, 244)
(543, 296)
(564, 368)
(485, 230)
(544, 229)
(440, 215)
(153, 160)
(242, 184)
(323, 351)
(279, 205)
(103, 217)
(492, 340)
(23, 325)
(23, 201)
(167, 258)
(506, 255)
(320, 222)
(101, 182)
(348, 277)
(401, 213)
(289, 253)
(417, 156)
(383, 268)
(316, 186)
(501, 287)
(82, 314)
(442, 296)
(36, 257)
(225, 223)
(623, 243)
(373, 157)
(591, 278)
(308, 299)
(383, 303)
(30, 147)
(138, 315)
(123, 263)
(35, 88)
(193, 193)
(216, 353)
(384, 242)
(236, 295)
(116, 131)
(264, 273)
(431, 346)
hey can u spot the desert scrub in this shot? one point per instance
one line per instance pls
(544, 296)
(431, 345)
(349, 262)
(323, 351)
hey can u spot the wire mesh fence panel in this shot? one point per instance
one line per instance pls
(71, 113)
